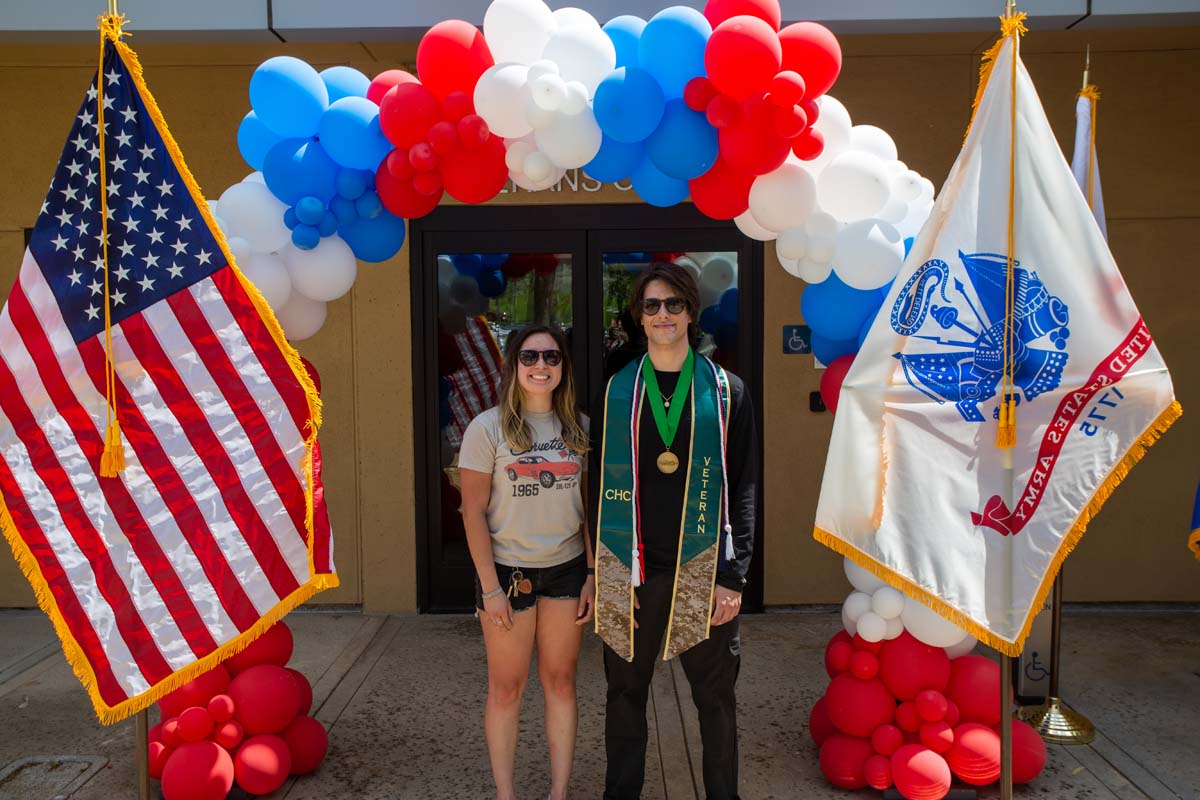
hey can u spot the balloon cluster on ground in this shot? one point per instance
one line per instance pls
(908, 704)
(243, 722)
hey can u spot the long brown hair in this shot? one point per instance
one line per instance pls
(512, 423)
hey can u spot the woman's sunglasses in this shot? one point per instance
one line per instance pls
(675, 305)
(530, 357)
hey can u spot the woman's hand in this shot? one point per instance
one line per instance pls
(587, 602)
(498, 611)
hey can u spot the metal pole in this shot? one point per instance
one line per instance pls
(143, 753)
(1055, 633)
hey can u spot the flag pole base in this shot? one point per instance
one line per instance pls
(1057, 723)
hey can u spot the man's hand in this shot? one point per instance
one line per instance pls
(726, 605)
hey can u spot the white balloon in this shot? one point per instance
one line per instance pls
(718, 275)
(527, 183)
(517, 30)
(821, 223)
(517, 152)
(747, 224)
(894, 212)
(689, 263)
(873, 140)
(270, 275)
(906, 186)
(792, 244)
(859, 578)
(857, 604)
(543, 66)
(854, 186)
(571, 17)
(896, 167)
(577, 98)
(871, 627)
(918, 213)
(537, 167)
(848, 623)
(239, 248)
(500, 100)
(821, 249)
(583, 54)
(446, 270)
(463, 290)
(834, 124)
(784, 198)
(212, 207)
(535, 115)
(895, 627)
(927, 189)
(869, 253)
(256, 215)
(548, 91)
(301, 317)
(255, 177)
(570, 141)
(324, 273)
(811, 271)
(887, 602)
(477, 306)
(790, 265)
(928, 626)
(962, 648)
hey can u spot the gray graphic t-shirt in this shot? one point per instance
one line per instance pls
(536, 507)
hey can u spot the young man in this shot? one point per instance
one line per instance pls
(675, 451)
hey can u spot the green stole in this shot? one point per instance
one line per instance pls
(619, 566)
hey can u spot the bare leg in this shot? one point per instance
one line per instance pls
(558, 640)
(508, 654)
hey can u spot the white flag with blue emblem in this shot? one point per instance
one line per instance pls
(916, 488)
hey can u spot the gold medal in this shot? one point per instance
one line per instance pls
(668, 462)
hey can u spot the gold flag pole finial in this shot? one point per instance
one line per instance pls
(1087, 66)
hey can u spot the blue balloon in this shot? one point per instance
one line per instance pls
(254, 140)
(656, 188)
(866, 328)
(306, 237)
(344, 82)
(727, 336)
(671, 48)
(836, 311)
(829, 350)
(328, 225)
(298, 167)
(492, 283)
(729, 305)
(710, 319)
(369, 206)
(350, 133)
(309, 210)
(343, 209)
(469, 264)
(351, 183)
(908, 243)
(615, 161)
(493, 260)
(290, 219)
(625, 31)
(288, 96)
(628, 104)
(684, 146)
(375, 240)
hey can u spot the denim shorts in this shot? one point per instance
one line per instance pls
(560, 581)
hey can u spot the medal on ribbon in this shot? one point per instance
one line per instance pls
(667, 419)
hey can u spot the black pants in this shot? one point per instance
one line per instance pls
(711, 668)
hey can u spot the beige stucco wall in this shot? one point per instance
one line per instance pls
(919, 88)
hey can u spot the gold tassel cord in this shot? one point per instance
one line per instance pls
(1012, 26)
(1093, 95)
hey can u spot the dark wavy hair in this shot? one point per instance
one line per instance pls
(681, 280)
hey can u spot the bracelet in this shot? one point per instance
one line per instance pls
(493, 593)
(591, 570)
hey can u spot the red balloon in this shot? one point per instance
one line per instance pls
(717, 11)
(742, 56)
(422, 157)
(953, 715)
(428, 183)
(195, 692)
(908, 665)
(786, 89)
(443, 137)
(789, 122)
(937, 736)
(723, 192)
(752, 149)
(398, 165)
(831, 390)
(407, 113)
(812, 110)
(262, 764)
(399, 196)
(837, 656)
(517, 266)
(809, 144)
(155, 733)
(266, 698)
(1029, 752)
(859, 707)
(812, 50)
(722, 111)
(862, 644)
(907, 717)
(170, 733)
(476, 175)
(312, 373)
(975, 756)
(887, 739)
(473, 131)
(229, 734)
(451, 57)
(545, 263)
(878, 772)
(307, 742)
(931, 705)
(220, 708)
(274, 646)
(974, 687)
(920, 773)
(864, 665)
(842, 760)
(820, 727)
(698, 93)
(157, 754)
(197, 771)
(195, 724)
(305, 688)
(758, 110)
(384, 81)
(457, 105)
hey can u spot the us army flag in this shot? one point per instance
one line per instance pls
(916, 488)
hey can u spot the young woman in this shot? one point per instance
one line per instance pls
(522, 465)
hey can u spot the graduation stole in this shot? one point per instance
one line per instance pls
(619, 563)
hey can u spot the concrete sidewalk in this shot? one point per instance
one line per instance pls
(403, 698)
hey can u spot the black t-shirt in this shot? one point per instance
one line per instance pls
(662, 494)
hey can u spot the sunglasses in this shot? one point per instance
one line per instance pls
(530, 357)
(675, 305)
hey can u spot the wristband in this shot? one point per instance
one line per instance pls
(493, 593)
(591, 570)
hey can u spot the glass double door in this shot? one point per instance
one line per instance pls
(482, 274)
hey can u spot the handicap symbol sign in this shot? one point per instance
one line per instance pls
(797, 340)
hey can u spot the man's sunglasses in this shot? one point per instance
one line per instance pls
(675, 305)
(530, 357)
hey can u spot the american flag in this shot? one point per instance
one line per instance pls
(475, 387)
(207, 536)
